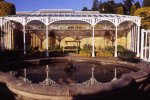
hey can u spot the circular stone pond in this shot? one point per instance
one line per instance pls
(70, 79)
(83, 69)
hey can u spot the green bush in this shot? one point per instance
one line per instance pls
(55, 48)
(33, 52)
(87, 48)
(111, 49)
(10, 55)
(127, 54)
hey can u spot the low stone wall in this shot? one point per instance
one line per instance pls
(61, 92)
(70, 92)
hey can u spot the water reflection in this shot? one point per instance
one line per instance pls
(64, 72)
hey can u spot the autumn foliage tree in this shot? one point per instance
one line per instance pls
(133, 9)
(120, 10)
(144, 13)
(7, 8)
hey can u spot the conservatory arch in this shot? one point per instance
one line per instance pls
(49, 17)
(33, 38)
(133, 34)
(10, 37)
(67, 29)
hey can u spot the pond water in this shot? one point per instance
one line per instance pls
(103, 72)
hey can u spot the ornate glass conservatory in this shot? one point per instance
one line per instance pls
(65, 27)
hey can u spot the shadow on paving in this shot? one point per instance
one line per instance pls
(5, 93)
(126, 94)
(130, 93)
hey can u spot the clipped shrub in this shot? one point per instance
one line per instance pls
(104, 54)
(85, 53)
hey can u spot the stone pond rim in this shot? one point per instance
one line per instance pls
(71, 92)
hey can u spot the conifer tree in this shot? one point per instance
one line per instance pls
(146, 3)
(95, 6)
(137, 4)
(128, 4)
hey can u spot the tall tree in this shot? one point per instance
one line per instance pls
(123, 6)
(133, 9)
(95, 6)
(128, 4)
(108, 7)
(120, 10)
(137, 4)
(146, 3)
(85, 9)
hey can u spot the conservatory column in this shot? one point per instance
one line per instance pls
(145, 47)
(12, 36)
(116, 42)
(132, 41)
(24, 39)
(149, 47)
(47, 53)
(138, 41)
(2, 36)
(1, 32)
(9, 36)
(93, 43)
(131, 44)
(142, 43)
(135, 38)
(5, 34)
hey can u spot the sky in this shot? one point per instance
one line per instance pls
(34, 5)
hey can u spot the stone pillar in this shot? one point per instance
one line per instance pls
(138, 41)
(93, 42)
(47, 41)
(116, 42)
(142, 43)
(24, 39)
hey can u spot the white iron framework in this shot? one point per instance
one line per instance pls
(145, 45)
(50, 16)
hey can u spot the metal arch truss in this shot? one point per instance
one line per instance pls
(47, 20)
(92, 19)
